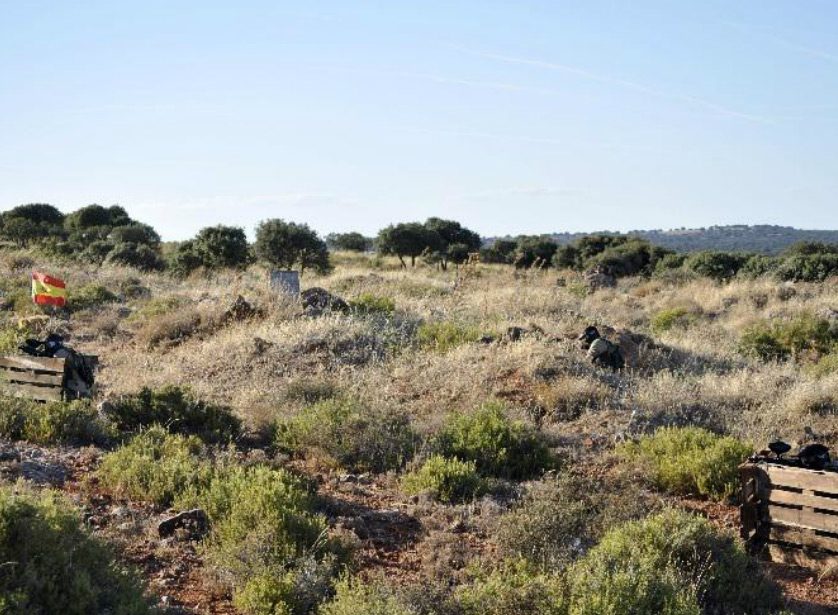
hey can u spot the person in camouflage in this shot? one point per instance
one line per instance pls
(600, 351)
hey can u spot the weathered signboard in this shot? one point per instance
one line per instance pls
(285, 282)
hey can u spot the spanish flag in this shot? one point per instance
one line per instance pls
(47, 290)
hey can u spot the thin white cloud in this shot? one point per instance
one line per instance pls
(622, 83)
(784, 42)
(512, 138)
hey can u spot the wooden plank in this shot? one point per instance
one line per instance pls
(807, 538)
(803, 518)
(30, 376)
(799, 557)
(31, 391)
(802, 478)
(779, 496)
(45, 364)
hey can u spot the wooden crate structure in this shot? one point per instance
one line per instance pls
(38, 378)
(790, 513)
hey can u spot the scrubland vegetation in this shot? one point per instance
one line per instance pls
(440, 447)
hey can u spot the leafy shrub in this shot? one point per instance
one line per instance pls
(285, 245)
(134, 233)
(535, 252)
(184, 259)
(512, 589)
(497, 446)
(154, 466)
(444, 336)
(670, 318)
(51, 565)
(808, 268)
(559, 519)
(670, 262)
(95, 253)
(177, 410)
(353, 597)
(351, 242)
(501, 251)
(633, 257)
(716, 265)
(826, 365)
(90, 296)
(53, 422)
(311, 390)
(690, 460)
(780, 339)
(759, 265)
(367, 303)
(222, 246)
(448, 480)
(265, 538)
(11, 336)
(355, 437)
(138, 256)
(673, 563)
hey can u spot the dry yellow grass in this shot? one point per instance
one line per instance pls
(698, 377)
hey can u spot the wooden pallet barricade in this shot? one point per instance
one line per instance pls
(790, 512)
(38, 378)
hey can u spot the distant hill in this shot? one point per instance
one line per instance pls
(764, 238)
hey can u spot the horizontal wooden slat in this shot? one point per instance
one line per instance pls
(803, 518)
(31, 391)
(807, 538)
(45, 364)
(14, 375)
(779, 496)
(802, 478)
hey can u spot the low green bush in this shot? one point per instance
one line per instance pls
(826, 365)
(759, 265)
(89, 296)
(671, 318)
(447, 480)
(774, 340)
(176, 409)
(158, 306)
(689, 460)
(498, 446)
(351, 435)
(561, 518)
(353, 597)
(445, 336)
(311, 390)
(11, 336)
(808, 267)
(51, 565)
(512, 589)
(139, 256)
(53, 422)
(155, 466)
(717, 265)
(673, 563)
(266, 540)
(367, 303)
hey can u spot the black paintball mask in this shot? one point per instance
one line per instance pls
(590, 334)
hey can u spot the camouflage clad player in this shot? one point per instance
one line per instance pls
(600, 351)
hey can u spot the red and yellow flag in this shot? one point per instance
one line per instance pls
(47, 290)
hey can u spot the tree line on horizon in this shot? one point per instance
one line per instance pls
(108, 235)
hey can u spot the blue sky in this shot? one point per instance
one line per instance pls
(512, 117)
